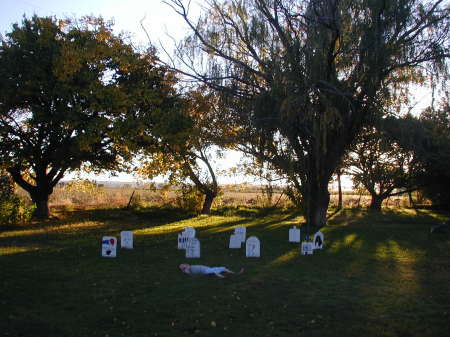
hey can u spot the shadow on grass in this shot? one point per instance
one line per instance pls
(378, 275)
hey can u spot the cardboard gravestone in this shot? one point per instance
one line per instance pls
(193, 248)
(306, 248)
(241, 232)
(109, 246)
(252, 247)
(294, 234)
(182, 240)
(235, 241)
(126, 239)
(190, 232)
(318, 240)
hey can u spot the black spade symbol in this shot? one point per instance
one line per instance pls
(108, 252)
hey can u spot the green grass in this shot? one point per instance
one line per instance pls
(378, 275)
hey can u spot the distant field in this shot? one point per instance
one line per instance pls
(107, 196)
(378, 275)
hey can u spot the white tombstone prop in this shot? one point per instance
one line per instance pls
(294, 234)
(306, 248)
(182, 240)
(190, 232)
(126, 239)
(235, 241)
(241, 232)
(252, 247)
(193, 248)
(109, 246)
(318, 240)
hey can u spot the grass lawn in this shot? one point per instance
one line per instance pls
(378, 275)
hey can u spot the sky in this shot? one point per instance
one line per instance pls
(159, 17)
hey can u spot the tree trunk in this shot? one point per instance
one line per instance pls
(40, 199)
(317, 206)
(339, 191)
(375, 203)
(209, 198)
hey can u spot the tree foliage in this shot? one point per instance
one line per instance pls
(66, 91)
(381, 166)
(428, 136)
(186, 155)
(301, 78)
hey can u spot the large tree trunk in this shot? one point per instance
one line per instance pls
(375, 203)
(209, 198)
(40, 199)
(39, 193)
(317, 206)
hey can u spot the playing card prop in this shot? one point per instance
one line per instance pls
(126, 239)
(252, 247)
(294, 234)
(193, 248)
(109, 246)
(318, 240)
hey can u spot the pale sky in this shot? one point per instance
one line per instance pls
(159, 17)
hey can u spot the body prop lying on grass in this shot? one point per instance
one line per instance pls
(205, 270)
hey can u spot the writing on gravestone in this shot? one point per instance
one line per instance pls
(182, 240)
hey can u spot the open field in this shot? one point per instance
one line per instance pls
(230, 196)
(378, 275)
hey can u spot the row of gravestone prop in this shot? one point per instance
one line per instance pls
(109, 243)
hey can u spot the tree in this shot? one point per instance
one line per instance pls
(382, 167)
(428, 137)
(66, 91)
(186, 153)
(301, 78)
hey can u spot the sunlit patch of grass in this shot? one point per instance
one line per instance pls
(350, 241)
(212, 224)
(16, 250)
(289, 256)
(289, 221)
(72, 227)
